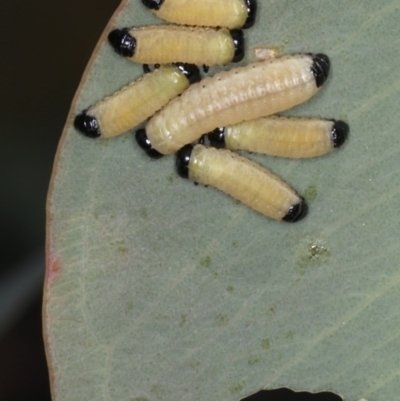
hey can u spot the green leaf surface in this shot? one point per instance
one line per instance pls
(160, 290)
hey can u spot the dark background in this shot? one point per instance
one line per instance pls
(45, 46)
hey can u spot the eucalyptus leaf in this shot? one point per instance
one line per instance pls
(159, 289)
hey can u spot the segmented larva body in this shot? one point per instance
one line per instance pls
(163, 44)
(244, 180)
(284, 137)
(135, 102)
(229, 97)
(230, 14)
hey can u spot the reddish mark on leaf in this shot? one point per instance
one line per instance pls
(53, 268)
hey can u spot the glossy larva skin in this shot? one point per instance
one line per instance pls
(230, 14)
(163, 44)
(137, 101)
(229, 97)
(244, 180)
(284, 137)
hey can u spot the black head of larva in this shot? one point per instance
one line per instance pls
(191, 72)
(153, 4)
(217, 138)
(182, 161)
(145, 144)
(251, 13)
(149, 68)
(339, 133)
(122, 42)
(296, 212)
(320, 68)
(238, 41)
(88, 125)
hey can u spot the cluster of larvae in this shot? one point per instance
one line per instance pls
(233, 109)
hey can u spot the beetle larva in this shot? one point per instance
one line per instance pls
(230, 14)
(284, 137)
(164, 44)
(135, 102)
(243, 179)
(230, 97)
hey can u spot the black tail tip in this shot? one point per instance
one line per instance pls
(251, 13)
(182, 161)
(122, 42)
(238, 41)
(88, 125)
(191, 72)
(296, 212)
(153, 4)
(320, 68)
(339, 133)
(145, 144)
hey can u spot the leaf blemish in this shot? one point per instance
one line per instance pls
(253, 361)
(310, 193)
(265, 344)
(182, 320)
(205, 261)
(143, 213)
(139, 399)
(312, 253)
(54, 268)
(236, 388)
(221, 320)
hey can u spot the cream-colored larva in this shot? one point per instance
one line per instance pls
(135, 102)
(230, 14)
(243, 179)
(284, 137)
(230, 97)
(164, 44)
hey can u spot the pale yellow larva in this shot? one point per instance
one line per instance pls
(284, 137)
(229, 97)
(135, 102)
(244, 180)
(164, 44)
(230, 14)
